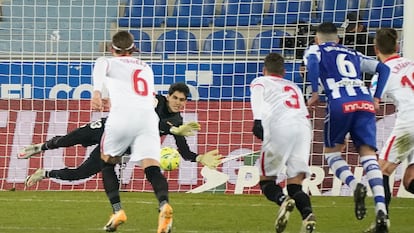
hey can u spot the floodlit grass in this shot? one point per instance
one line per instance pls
(58, 212)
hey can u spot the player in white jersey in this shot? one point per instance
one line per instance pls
(132, 121)
(281, 120)
(400, 88)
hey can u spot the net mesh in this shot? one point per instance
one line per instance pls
(47, 50)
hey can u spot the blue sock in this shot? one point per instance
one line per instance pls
(341, 169)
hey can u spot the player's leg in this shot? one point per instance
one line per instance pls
(91, 166)
(86, 135)
(160, 186)
(408, 179)
(387, 169)
(111, 186)
(274, 193)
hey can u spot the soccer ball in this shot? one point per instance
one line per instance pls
(170, 159)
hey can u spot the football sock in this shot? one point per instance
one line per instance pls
(302, 200)
(272, 191)
(411, 187)
(54, 143)
(341, 169)
(375, 180)
(111, 185)
(387, 191)
(158, 182)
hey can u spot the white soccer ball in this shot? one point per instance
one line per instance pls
(170, 159)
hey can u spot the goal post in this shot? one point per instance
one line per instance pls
(217, 47)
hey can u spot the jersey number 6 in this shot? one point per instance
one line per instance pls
(140, 84)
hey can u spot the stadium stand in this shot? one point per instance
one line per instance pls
(239, 13)
(283, 12)
(142, 41)
(176, 42)
(384, 13)
(192, 13)
(335, 11)
(144, 13)
(224, 42)
(268, 41)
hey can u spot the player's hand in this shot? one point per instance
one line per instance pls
(210, 159)
(186, 129)
(376, 103)
(258, 129)
(96, 102)
(314, 99)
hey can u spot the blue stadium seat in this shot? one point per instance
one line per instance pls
(192, 13)
(177, 42)
(283, 12)
(268, 41)
(239, 13)
(144, 13)
(384, 13)
(224, 42)
(335, 11)
(142, 41)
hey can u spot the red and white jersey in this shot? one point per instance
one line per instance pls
(400, 86)
(276, 99)
(128, 80)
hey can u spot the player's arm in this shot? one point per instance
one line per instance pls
(372, 66)
(256, 101)
(210, 159)
(98, 76)
(311, 60)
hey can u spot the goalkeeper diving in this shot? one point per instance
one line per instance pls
(171, 122)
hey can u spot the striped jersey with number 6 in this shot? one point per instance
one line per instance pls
(129, 81)
(283, 100)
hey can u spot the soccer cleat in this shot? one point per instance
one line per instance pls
(308, 224)
(381, 222)
(29, 151)
(359, 198)
(373, 226)
(165, 219)
(35, 177)
(285, 209)
(116, 219)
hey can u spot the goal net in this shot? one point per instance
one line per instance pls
(216, 47)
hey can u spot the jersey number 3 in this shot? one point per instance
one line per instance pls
(293, 101)
(139, 83)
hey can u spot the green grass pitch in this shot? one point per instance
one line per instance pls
(83, 212)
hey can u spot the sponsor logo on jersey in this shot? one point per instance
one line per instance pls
(358, 106)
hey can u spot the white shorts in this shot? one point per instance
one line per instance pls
(286, 146)
(138, 130)
(391, 152)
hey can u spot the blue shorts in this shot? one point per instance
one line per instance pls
(361, 125)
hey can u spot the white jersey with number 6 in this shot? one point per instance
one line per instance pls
(287, 133)
(132, 120)
(400, 88)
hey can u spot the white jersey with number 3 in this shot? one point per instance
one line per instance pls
(132, 120)
(287, 133)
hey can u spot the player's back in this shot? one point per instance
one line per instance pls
(400, 86)
(283, 100)
(130, 83)
(340, 72)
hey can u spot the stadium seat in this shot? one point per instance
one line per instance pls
(177, 42)
(144, 13)
(192, 13)
(335, 11)
(142, 41)
(239, 13)
(384, 13)
(224, 42)
(283, 12)
(268, 41)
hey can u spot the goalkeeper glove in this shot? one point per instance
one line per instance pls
(258, 129)
(210, 159)
(185, 129)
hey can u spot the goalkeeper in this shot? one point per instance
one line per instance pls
(171, 122)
